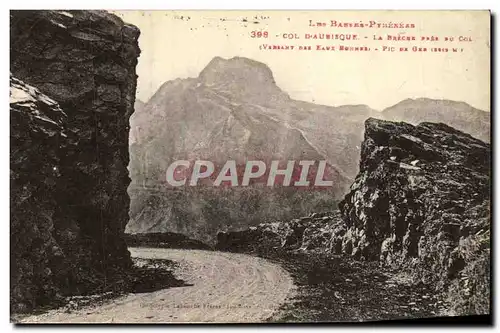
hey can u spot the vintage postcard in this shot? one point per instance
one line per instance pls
(249, 166)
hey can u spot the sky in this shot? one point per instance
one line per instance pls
(179, 44)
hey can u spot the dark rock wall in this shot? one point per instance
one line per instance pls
(421, 201)
(85, 61)
(38, 139)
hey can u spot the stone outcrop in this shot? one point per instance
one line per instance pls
(420, 205)
(69, 151)
(421, 202)
(317, 232)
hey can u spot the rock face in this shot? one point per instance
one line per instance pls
(38, 139)
(68, 220)
(459, 115)
(420, 204)
(421, 201)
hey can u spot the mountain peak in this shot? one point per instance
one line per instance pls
(220, 70)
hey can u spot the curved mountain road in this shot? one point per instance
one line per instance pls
(226, 287)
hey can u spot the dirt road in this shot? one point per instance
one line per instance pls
(226, 287)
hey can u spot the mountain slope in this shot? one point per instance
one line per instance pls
(419, 208)
(232, 111)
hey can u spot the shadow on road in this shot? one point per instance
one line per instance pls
(154, 274)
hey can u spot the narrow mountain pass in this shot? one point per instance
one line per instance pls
(222, 287)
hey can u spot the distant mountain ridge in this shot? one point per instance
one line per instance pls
(456, 114)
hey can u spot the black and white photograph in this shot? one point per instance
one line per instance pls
(217, 166)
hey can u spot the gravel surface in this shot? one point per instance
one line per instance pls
(218, 287)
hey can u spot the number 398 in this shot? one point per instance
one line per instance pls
(259, 34)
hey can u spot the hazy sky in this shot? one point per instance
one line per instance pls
(179, 44)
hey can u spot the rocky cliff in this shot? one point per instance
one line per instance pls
(420, 204)
(69, 151)
(421, 201)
